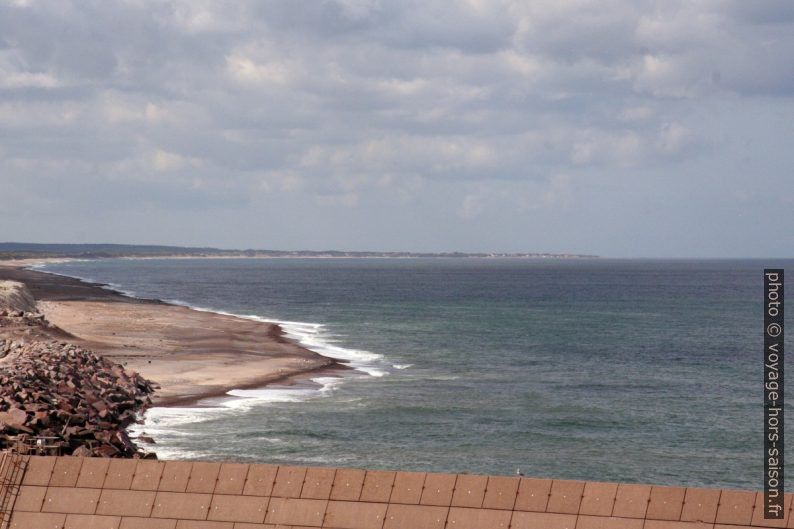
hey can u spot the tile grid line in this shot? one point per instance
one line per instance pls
(449, 507)
(330, 492)
(579, 508)
(515, 497)
(681, 510)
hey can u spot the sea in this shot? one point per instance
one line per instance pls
(635, 370)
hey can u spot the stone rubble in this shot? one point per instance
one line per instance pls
(55, 389)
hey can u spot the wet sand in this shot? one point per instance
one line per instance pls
(190, 354)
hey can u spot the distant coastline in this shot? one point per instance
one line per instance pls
(20, 251)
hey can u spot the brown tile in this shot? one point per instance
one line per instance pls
(239, 525)
(470, 491)
(666, 503)
(700, 505)
(608, 522)
(500, 493)
(317, 483)
(120, 473)
(631, 500)
(295, 511)
(415, 516)
(89, 521)
(354, 515)
(193, 524)
(203, 477)
(533, 495)
(228, 508)
(598, 498)
(126, 503)
(377, 486)
(30, 498)
(438, 489)
(565, 496)
(175, 476)
(347, 484)
(75, 501)
(147, 523)
(37, 520)
(260, 480)
(758, 512)
(736, 507)
(38, 471)
(181, 505)
(661, 524)
(93, 472)
(289, 482)
(147, 475)
(66, 471)
(467, 518)
(790, 499)
(722, 526)
(542, 520)
(231, 478)
(407, 487)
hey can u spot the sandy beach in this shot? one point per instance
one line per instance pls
(189, 354)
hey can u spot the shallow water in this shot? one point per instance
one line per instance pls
(631, 370)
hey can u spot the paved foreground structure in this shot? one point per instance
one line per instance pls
(96, 493)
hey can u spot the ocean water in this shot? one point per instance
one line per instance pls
(617, 370)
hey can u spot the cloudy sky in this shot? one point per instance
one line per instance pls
(613, 127)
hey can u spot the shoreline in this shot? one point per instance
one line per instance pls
(191, 354)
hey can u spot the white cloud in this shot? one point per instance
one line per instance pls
(168, 161)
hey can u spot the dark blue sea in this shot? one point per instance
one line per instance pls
(613, 370)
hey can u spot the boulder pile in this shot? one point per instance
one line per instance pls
(76, 398)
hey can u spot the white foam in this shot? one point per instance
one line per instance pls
(402, 366)
(252, 397)
(312, 336)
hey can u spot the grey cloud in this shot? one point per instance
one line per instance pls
(347, 104)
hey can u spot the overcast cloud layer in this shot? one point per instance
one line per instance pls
(614, 127)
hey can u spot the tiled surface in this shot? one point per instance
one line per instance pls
(120, 473)
(348, 484)
(147, 475)
(736, 507)
(533, 495)
(203, 477)
(438, 489)
(470, 491)
(75, 493)
(631, 500)
(377, 486)
(407, 487)
(500, 493)
(666, 503)
(598, 499)
(317, 483)
(565, 496)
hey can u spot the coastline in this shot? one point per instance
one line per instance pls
(190, 354)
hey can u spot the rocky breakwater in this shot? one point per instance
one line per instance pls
(53, 389)
(77, 398)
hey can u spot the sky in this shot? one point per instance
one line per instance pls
(625, 128)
